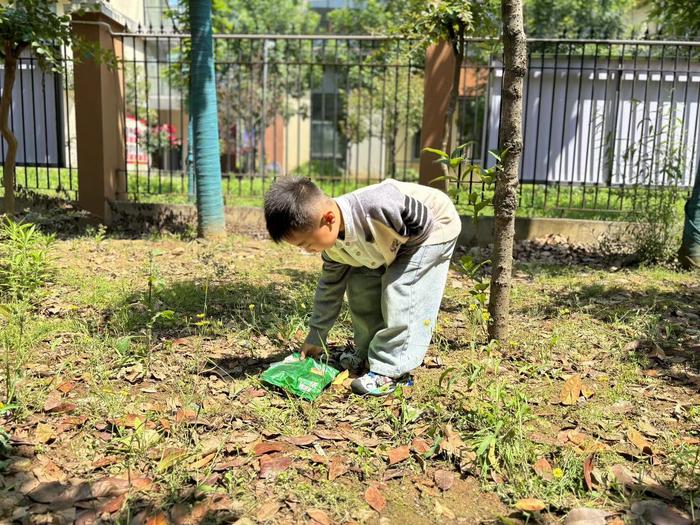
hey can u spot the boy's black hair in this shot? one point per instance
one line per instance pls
(290, 206)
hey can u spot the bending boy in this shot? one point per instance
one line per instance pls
(388, 246)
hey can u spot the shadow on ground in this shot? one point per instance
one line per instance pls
(669, 322)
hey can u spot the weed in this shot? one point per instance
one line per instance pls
(25, 267)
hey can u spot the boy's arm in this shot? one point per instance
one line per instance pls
(327, 301)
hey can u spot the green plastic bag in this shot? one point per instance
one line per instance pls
(305, 378)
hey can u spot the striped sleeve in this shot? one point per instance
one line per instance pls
(406, 215)
(415, 217)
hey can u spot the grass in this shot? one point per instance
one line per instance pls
(162, 393)
(536, 200)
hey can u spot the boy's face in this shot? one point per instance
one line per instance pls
(320, 238)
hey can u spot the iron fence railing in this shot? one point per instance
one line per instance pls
(342, 110)
(42, 117)
(607, 123)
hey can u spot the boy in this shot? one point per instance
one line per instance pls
(389, 247)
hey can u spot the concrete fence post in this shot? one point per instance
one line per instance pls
(439, 65)
(99, 115)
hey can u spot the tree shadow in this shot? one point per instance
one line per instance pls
(669, 322)
(256, 323)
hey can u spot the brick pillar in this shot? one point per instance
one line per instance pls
(99, 115)
(439, 67)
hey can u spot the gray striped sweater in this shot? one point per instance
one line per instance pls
(379, 221)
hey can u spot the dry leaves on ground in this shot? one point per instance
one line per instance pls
(571, 390)
(375, 499)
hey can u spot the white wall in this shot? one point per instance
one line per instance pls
(624, 114)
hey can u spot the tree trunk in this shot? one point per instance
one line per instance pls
(511, 144)
(452, 105)
(205, 123)
(391, 152)
(11, 153)
(689, 254)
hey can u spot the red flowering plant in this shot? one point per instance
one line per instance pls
(160, 138)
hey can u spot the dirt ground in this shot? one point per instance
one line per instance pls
(137, 397)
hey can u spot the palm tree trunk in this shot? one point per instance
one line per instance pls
(205, 124)
(5, 104)
(510, 141)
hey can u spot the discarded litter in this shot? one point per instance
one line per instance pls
(305, 378)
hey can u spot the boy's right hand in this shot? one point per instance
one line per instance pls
(309, 350)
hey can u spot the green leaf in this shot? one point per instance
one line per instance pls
(443, 177)
(437, 152)
(122, 345)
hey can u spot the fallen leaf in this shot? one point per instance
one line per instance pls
(268, 510)
(587, 469)
(185, 415)
(640, 442)
(659, 513)
(337, 467)
(114, 505)
(643, 483)
(203, 462)
(130, 421)
(157, 519)
(375, 499)
(587, 391)
(170, 457)
(543, 469)
(44, 433)
(420, 446)
(47, 470)
(319, 516)
(69, 422)
(52, 400)
(444, 479)
(301, 441)
(271, 465)
(396, 455)
(330, 435)
(530, 505)
(340, 378)
(571, 390)
(452, 443)
(584, 516)
(105, 462)
(66, 387)
(60, 494)
(267, 447)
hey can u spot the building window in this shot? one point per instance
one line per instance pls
(417, 145)
(326, 140)
(471, 112)
(155, 11)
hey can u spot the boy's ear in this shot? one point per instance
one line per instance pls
(329, 217)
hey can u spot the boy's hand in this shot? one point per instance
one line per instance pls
(309, 350)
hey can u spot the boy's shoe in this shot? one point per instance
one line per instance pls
(352, 362)
(377, 385)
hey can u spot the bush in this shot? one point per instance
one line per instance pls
(319, 169)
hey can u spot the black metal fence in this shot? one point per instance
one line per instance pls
(42, 117)
(342, 110)
(607, 123)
